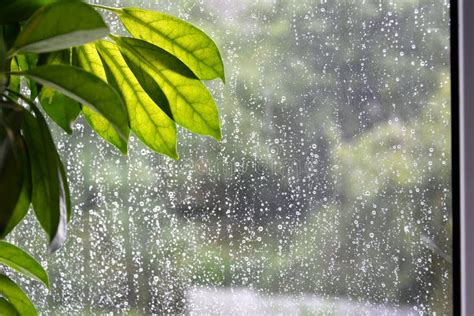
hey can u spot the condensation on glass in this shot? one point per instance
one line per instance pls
(330, 192)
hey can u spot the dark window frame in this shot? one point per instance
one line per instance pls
(462, 74)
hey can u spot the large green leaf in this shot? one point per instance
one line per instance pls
(58, 26)
(16, 297)
(151, 125)
(6, 308)
(185, 41)
(12, 11)
(21, 261)
(48, 192)
(12, 160)
(85, 88)
(62, 109)
(22, 205)
(89, 60)
(190, 103)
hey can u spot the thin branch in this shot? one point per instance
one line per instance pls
(98, 6)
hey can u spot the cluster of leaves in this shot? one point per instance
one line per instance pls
(146, 84)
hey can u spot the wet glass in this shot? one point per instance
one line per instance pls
(330, 192)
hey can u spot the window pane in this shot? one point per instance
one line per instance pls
(330, 192)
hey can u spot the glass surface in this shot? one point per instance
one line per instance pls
(329, 194)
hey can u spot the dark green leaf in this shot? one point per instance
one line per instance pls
(10, 32)
(58, 26)
(89, 60)
(62, 109)
(3, 62)
(22, 205)
(12, 161)
(16, 297)
(6, 308)
(22, 262)
(151, 125)
(185, 41)
(85, 88)
(48, 193)
(12, 11)
(190, 103)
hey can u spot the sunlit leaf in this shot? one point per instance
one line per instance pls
(16, 297)
(6, 308)
(88, 59)
(85, 88)
(15, 82)
(190, 103)
(48, 193)
(185, 41)
(151, 125)
(21, 261)
(58, 26)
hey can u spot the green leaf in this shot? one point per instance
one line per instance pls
(3, 61)
(62, 109)
(66, 190)
(85, 88)
(15, 82)
(22, 205)
(12, 161)
(190, 103)
(151, 125)
(185, 41)
(16, 297)
(6, 308)
(10, 32)
(12, 11)
(48, 192)
(58, 26)
(89, 60)
(22, 262)
(25, 62)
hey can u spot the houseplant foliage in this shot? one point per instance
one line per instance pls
(146, 84)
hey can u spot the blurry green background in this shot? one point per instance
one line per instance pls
(332, 182)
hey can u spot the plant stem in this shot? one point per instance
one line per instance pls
(115, 10)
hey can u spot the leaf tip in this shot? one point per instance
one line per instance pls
(217, 135)
(46, 282)
(174, 156)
